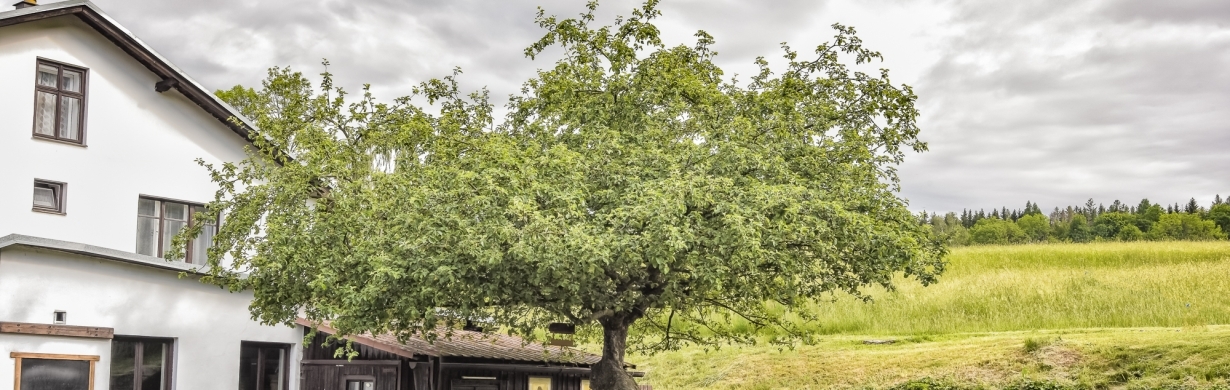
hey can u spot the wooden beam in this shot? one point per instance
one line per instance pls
(93, 332)
(51, 356)
(351, 362)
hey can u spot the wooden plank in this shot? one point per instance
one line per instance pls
(93, 332)
(52, 356)
(350, 362)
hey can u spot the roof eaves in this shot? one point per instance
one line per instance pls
(94, 16)
(18, 240)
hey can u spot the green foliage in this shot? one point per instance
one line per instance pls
(629, 186)
(996, 231)
(1130, 233)
(1078, 230)
(1220, 214)
(1149, 216)
(1035, 226)
(1182, 226)
(1108, 225)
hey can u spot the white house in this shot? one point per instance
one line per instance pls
(98, 137)
(98, 140)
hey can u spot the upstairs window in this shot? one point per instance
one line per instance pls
(49, 196)
(158, 221)
(59, 102)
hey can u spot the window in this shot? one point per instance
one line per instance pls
(360, 383)
(540, 383)
(262, 366)
(49, 196)
(140, 363)
(42, 371)
(59, 102)
(158, 221)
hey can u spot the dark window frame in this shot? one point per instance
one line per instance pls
(346, 379)
(61, 196)
(168, 369)
(261, 347)
(58, 92)
(160, 249)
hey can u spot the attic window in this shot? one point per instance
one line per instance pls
(59, 102)
(49, 196)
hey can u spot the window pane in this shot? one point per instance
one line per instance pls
(123, 364)
(49, 374)
(147, 207)
(152, 359)
(176, 211)
(273, 369)
(72, 81)
(248, 359)
(45, 113)
(169, 230)
(147, 236)
(47, 75)
(201, 244)
(70, 118)
(45, 197)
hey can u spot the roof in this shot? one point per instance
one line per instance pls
(469, 344)
(18, 240)
(143, 53)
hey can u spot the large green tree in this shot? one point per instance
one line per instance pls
(631, 189)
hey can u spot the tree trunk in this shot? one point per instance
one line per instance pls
(609, 373)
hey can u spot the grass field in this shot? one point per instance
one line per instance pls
(1105, 315)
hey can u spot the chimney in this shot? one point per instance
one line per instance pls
(25, 3)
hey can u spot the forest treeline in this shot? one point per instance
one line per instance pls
(1084, 223)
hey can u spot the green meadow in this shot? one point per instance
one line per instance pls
(1052, 316)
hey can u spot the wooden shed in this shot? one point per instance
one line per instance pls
(466, 361)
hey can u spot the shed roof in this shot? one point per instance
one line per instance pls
(93, 16)
(469, 344)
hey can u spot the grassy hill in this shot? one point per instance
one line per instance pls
(1105, 315)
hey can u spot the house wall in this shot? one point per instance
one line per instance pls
(138, 141)
(206, 322)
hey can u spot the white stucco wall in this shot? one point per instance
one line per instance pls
(206, 322)
(55, 345)
(138, 141)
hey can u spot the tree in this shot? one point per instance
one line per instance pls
(1078, 230)
(1110, 224)
(1035, 226)
(630, 190)
(1192, 207)
(996, 231)
(1220, 215)
(1130, 233)
(1183, 226)
(1149, 215)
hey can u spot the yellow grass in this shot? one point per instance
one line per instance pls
(1103, 315)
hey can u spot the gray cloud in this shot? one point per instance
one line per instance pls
(1053, 101)
(1060, 101)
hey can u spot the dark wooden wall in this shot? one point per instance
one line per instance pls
(514, 378)
(330, 376)
(317, 351)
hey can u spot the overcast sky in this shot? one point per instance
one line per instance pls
(1053, 101)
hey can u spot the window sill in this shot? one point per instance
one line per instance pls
(59, 141)
(46, 211)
